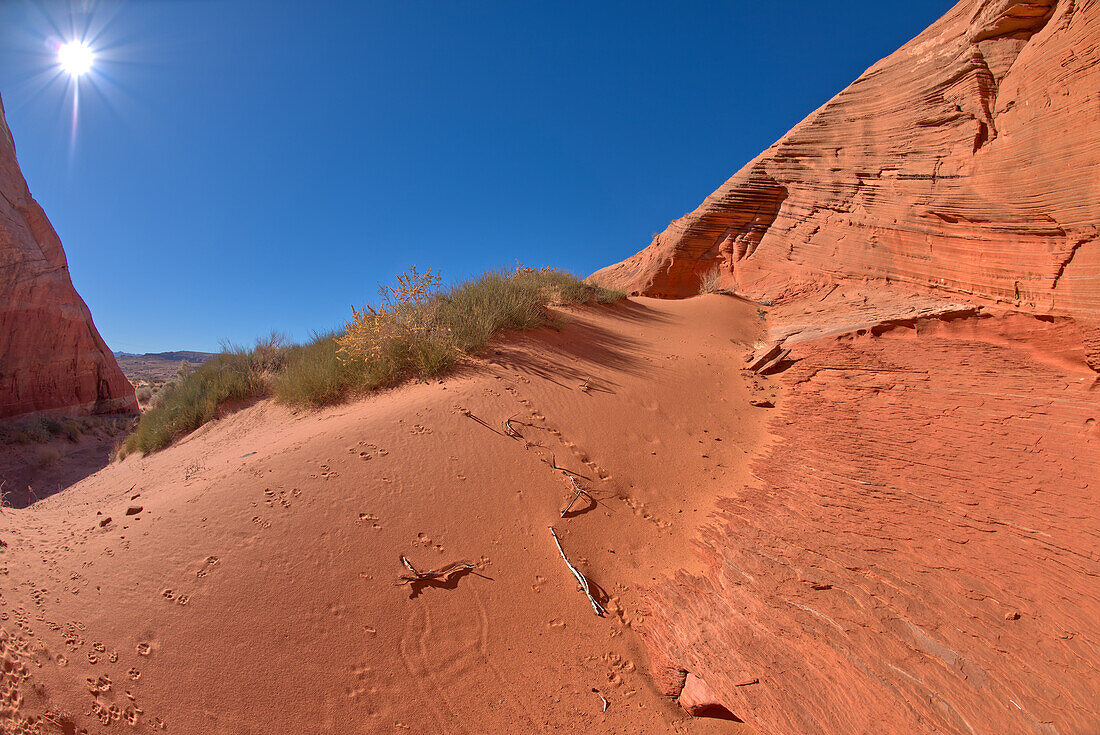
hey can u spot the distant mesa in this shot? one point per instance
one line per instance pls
(156, 368)
(52, 359)
(176, 356)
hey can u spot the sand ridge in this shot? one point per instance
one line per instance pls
(258, 587)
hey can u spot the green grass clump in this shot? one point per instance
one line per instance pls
(418, 336)
(194, 398)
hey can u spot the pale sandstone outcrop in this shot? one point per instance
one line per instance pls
(52, 359)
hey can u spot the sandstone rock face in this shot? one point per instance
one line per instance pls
(966, 162)
(52, 359)
(920, 552)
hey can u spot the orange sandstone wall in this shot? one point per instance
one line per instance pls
(52, 359)
(968, 162)
(918, 553)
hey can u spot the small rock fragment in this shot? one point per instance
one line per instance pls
(133, 510)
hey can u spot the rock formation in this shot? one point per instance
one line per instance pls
(966, 163)
(52, 359)
(919, 552)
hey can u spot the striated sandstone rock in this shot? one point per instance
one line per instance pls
(966, 162)
(52, 359)
(919, 552)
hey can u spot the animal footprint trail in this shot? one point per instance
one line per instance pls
(539, 422)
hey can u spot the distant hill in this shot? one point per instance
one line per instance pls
(178, 355)
(157, 367)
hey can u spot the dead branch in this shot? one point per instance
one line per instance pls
(576, 495)
(432, 574)
(468, 414)
(580, 577)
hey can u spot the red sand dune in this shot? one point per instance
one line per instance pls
(901, 538)
(255, 589)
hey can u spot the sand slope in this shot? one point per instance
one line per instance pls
(254, 591)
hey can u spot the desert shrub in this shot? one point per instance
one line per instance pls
(40, 429)
(194, 398)
(315, 375)
(144, 394)
(47, 456)
(417, 330)
(711, 281)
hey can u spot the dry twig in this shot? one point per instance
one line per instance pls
(579, 492)
(580, 577)
(431, 574)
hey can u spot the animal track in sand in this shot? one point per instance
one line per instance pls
(419, 429)
(365, 518)
(640, 510)
(133, 673)
(540, 423)
(207, 564)
(102, 684)
(144, 649)
(360, 686)
(279, 497)
(426, 542)
(368, 450)
(326, 473)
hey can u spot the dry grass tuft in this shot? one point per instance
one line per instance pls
(711, 281)
(47, 456)
(417, 330)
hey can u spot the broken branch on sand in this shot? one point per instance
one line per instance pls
(579, 492)
(432, 574)
(580, 577)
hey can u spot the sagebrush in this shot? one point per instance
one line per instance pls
(416, 330)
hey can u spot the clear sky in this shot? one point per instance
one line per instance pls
(240, 166)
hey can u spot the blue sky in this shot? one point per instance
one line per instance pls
(242, 166)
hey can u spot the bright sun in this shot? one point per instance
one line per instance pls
(75, 58)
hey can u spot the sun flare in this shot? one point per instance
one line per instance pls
(75, 58)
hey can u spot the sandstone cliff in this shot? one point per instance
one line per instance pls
(967, 162)
(52, 359)
(917, 550)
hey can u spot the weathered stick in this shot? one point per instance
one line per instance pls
(579, 491)
(580, 577)
(431, 574)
